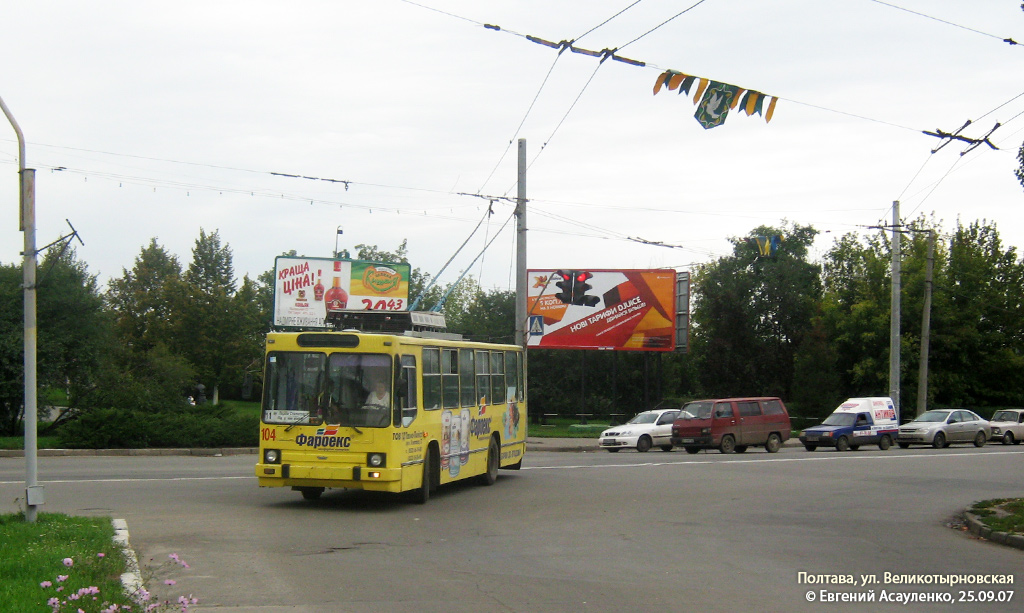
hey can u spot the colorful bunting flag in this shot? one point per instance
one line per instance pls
(709, 95)
(715, 104)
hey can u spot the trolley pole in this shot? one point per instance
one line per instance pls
(521, 280)
(27, 185)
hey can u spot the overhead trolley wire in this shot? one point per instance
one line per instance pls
(686, 10)
(1009, 41)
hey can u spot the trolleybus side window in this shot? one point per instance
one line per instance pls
(483, 378)
(511, 382)
(467, 372)
(431, 378)
(497, 377)
(450, 378)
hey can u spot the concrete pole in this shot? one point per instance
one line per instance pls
(33, 491)
(926, 320)
(894, 315)
(521, 280)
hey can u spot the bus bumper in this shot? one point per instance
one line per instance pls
(348, 477)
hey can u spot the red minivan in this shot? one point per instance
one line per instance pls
(732, 425)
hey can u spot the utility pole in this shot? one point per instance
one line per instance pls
(926, 319)
(33, 491)
(894, 315)
(521, 248)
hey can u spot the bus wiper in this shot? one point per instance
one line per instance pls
(296, 422)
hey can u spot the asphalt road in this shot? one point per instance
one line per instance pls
(570, 532)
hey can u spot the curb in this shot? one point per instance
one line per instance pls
(132, 579)
(980, 530)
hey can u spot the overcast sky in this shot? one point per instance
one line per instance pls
(164, 118)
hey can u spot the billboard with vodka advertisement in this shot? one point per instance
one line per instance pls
(306, 289)
(627, 310)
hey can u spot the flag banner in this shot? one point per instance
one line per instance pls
(708, 95)
(714, 106)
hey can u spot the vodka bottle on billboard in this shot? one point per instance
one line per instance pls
(318, 289)
(336, 298)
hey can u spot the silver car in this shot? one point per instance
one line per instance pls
(943, 427)
(1008, 426)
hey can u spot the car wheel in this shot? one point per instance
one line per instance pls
(939, 441)
(810, 447)
(311, 493)
(773, 443)
(644, 444)
(842, 444)
(885, 442)
(979, 439)
(903, 445)
(728, 444)
(666, 447)
(1008, 438)
(493, 460)
(613, 449)
(692, 450)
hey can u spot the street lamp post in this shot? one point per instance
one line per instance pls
(33, 491)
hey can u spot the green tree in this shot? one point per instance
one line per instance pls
(140, 298)
(72, 333)
(981, 359)
(1020, 170)
(489, 317)
(12, 356)
(855, 312)
(752, 313)
(211, 269)
(209, 329)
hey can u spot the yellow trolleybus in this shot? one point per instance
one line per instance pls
(402, 408)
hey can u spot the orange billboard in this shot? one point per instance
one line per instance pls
(626, 310)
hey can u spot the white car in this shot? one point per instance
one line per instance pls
(1008, 426)
(645, 430)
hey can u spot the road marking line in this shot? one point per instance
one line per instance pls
(128, 480)
(766, 460)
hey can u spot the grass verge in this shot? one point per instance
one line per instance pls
(1001, 514)
(18, 442)
(59, 556)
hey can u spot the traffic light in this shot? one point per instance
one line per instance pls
(564, 283)
(580, 289)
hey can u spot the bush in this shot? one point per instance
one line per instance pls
(126, 429)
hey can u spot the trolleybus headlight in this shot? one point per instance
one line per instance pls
(271, 456)
(375, 459)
